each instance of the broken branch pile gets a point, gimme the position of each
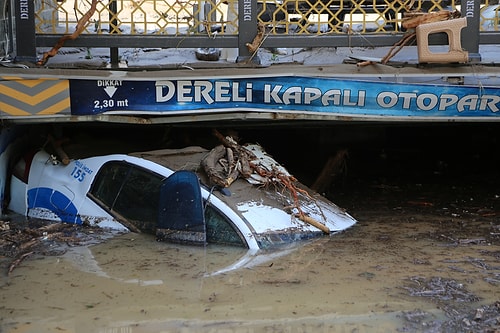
(227, 162)
(18, 241)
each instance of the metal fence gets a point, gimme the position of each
(233, 24)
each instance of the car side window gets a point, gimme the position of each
(130, 191)
(220, 230)
(108, 182)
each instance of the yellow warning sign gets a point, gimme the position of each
(41, 97)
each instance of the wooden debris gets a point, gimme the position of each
(220, 173)
(410, 22)
(468, 241)
(242, 162)
(16, 262)
(57, 145)
(413, 20)
(314, 223)
(241, 156)
(20, 242)
(406, 40)
(335, 165)
(258, 39)
(479, 314)
(440, 289)
(225, 163)
(458, 318)
(365, 63)
(4, 226)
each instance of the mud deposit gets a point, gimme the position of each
(424, 257)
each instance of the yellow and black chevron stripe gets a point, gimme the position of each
(43, 97)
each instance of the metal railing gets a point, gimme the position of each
(233, 24)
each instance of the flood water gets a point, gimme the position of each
(423, 257)
(355, 281)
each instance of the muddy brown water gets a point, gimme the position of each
(413, 268)
(423, 257)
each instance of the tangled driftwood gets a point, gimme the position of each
(335, 165)
(258, 39)
(19, 241)
(413, 20)
(225, 163)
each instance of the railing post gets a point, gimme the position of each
(247, 28)
(113, 26)
(25, 46)
(471, 9)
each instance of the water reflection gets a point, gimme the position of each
(157, 261)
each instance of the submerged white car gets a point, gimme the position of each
(168, 193)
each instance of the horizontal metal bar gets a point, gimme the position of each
(339, 40)
(143, 41)
(231, 41)
(491, 37)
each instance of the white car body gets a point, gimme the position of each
(44, 188)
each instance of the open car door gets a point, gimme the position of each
(181, 217)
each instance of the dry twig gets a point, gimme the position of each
(16, 262)
(413, 20)
(406, 40)
(82, 23)
(254, 46)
